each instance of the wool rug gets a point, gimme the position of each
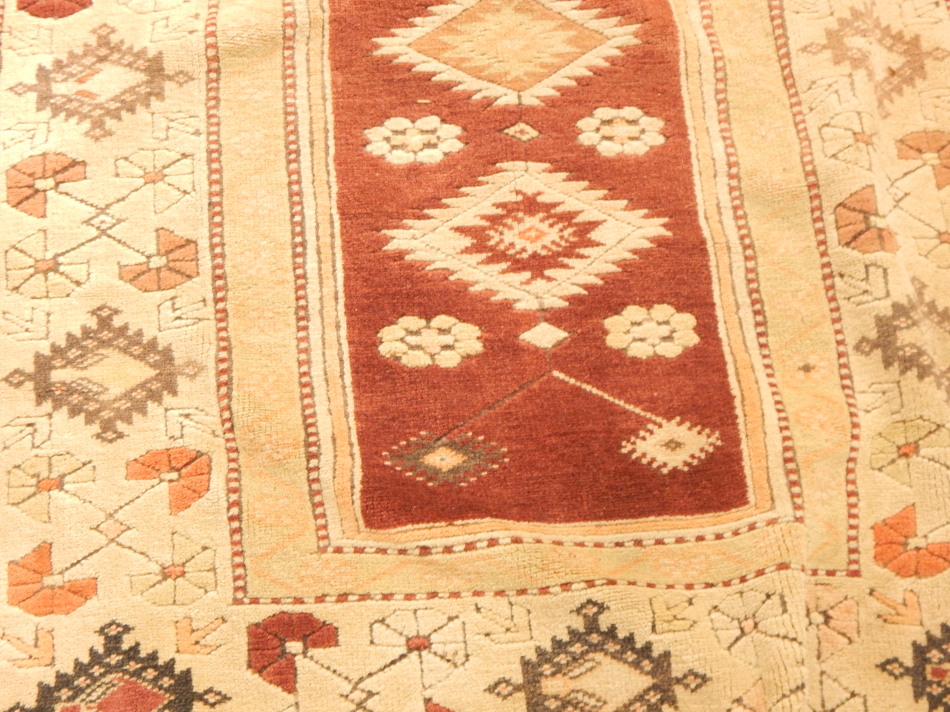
(475, 355)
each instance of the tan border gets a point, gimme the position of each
(282, 555)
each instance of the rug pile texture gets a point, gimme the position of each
(475, 355)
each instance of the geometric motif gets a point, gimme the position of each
(671, 445)
(434, 640)
(31, 483)
(512, 51)
(188, 575)
(929, 672)
(456, 460)
(175, 262)
(35, 272)
(891, 60)
(400, 140)
(119, 678)
(108, 374)
(442, 340)
(529, 235)
(915, 337)
(904, 444)
(274, 644)
(658, 331)
(903, 551)
(101, 83)
(860, 224)
(596, 669)
(187, 472)
(31, 179)
(625, 131)
(34, 587)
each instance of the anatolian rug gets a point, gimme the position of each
(475, 355)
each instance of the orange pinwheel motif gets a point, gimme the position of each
(33, 587)
(31, 179)
(187, 472)
(931, 147)
(899, 549)
(175, 262)
(860, 226)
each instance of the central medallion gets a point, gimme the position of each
(529, 235)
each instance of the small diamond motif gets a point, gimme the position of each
(522, 131)
(544, 336)
(671, 446)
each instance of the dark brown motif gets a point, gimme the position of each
(903, 335)
(929, 672)
(119, 678)
(107, 374)
(103, 99)
(568, 677)
(862, 40)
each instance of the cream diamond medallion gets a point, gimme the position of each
(513, 51)
(528, 235)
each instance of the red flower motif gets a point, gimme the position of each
(29, 180)
(187, 471)
(898, 548)
(273, 644)
(52, 8)
(32, 586)
(860, 226)
(175, 262)
(931, 147)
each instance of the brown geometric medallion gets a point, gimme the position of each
(120, 678)
(108, 374)
(914, 337)
(101, 83)
(596, 669)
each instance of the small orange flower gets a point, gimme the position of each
(187, 472)
(899, 549)
(860, 226)
(931, 147)
(175, 262)
(31, 179)
(32, 586)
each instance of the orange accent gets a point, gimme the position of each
(907, 450)
(891, 548)
(419, 643)
(25, 588)
(42, 266)
(22, 192)
(49, 484)
(180, 267)
(192, 466)
(86, 94)
(174, 572)
(532, 234)
(864, 138)
(154, 177)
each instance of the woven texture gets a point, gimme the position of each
(475, 355)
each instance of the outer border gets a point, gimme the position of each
(777, 11)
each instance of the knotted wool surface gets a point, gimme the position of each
(475, 355)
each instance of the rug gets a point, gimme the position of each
(475, 355)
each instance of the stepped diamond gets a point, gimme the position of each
(514, 51)
(528, 235)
